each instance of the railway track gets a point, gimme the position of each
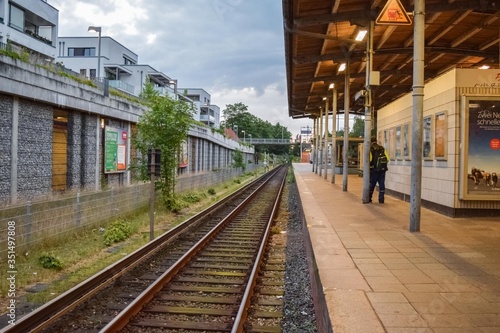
(200, 276)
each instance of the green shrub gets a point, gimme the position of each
(237, 181)
(116, 232)
(211, 191)
(191, 197)
(50, 261)
(174, 204)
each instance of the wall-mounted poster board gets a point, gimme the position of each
(440, 136)
(115, 149)
(480, 151)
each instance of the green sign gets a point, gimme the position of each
(115, 149)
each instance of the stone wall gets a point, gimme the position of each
(34, 174)
(5, 146)
(82, 152)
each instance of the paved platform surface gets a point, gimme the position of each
(378, 276)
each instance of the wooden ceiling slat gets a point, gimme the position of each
(319, 36)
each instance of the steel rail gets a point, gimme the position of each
(246, 301)
(123, 318)
(45, 315)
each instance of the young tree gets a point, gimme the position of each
(238, 161)
(164, 126)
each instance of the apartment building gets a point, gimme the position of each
(207, 113)
(30, 25)
(119, 65)
(113, 62)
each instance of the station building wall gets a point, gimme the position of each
(442, 164)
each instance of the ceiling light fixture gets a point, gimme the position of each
(361, 35)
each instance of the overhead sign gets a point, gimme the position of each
(393, 13)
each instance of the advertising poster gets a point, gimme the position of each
(115, 149)
(440, 136)
(398, 142)
(426, 145)
(406, 141)
(482, 153)
(391, 148)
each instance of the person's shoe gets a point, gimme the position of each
(381, 201)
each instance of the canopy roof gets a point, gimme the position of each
(320, 35)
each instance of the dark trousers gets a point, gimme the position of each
(377, 177)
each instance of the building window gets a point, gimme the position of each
(128, 61)
(92, 73)
(81, 51)
(16, 18)
(83, 71)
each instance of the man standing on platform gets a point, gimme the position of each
(378, 167)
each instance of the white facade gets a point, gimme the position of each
(450, 147)
(117, 63)
(207, 113)
(31, 24)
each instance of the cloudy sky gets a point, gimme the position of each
(234, 49)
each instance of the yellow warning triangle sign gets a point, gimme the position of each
(393, 13)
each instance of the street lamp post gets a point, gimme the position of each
(244, 136)
(98, 30)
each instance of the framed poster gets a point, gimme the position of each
(115, 149)
(440, 137)
(426, 137)
(398, 143)
(391, 148)
(406, 141)
(480, 153)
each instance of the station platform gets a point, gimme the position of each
(377, 276)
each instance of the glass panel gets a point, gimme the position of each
(16, 18)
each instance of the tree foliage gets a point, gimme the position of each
(238, 118)
(238, 161)
(358, 128)
(163, 126)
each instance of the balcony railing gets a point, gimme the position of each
(205, 117)
(120, 85)
(165, 91)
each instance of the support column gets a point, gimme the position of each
(334, 132)
(314, 152)
(347, 106)
(417, 117)
(368, 116)
(326, 138)
(321, 142)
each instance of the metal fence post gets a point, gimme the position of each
(28, 222)
(78, 210)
